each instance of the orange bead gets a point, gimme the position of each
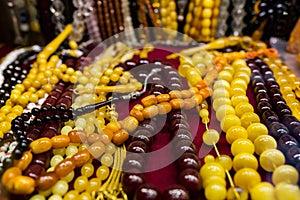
(149, 100)
(198, 98)
(45, 181)
(22, 185)
(108, 132)
(77, 136)
(137, 114)
(24, 161)
(177, 103)
(120, 137)
(200, 85)
(81, 157)
(114, 126)
(175, 94)
(65, 167)
(188, 103)
(9, 174)
(163, 98)
(150, 111)
(186, 94)
(41, 145)
(60, 141)
(164, 108)
(205, 92)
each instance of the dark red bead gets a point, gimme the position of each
(147, 192)
(286, 142)
(138, 147)
(176, 192)
(188, 160)
(34, 171)
(131, 182)
(190, 179)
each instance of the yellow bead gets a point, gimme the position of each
(203, 113)
(11, 116)
(246, 178)
(5, 126)
(225, 75)
(235, 132)
(73, 44)
(205, 31)
(102, 172)
(249, 118)
(94, 184)
(209, 158)
(6, 109)
(81, 183)
(270, 159)
(214, 179)
(71, 195)
(242, 108)
(242, 145)
(54, 79)
(242, 194)
(229, 121)
(286, 174)
(85, 196)
(238, 63)
(256, 129)
(208, 3)
(284, 191)
(33, 98)
(211, 137)
(243, 75)
(224, 110)
(244, 160)
(225, 161)
(20, 87)
(263, 191)
(206, 13)
(221, 84)
(206, 23)
(220, 92)
(87, 170)
(1, 134)
(264, 142)
(221, 101)
(237, 91)
(215, 192)
(212, 169)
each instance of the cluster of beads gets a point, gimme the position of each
(238, 13)
(222, 19)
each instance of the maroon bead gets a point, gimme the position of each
(138, 147)
(269, 117)
(185, 146)
(263, 106)
(54, 94)
(296, 133)
(277, 129)
(48, 133)
(147, 192)
(133, 160)
(260, 89)
(34, 171)
(149, 125)
(291, 122)
(188, 160)
(130, 64)
(176, 192)
(286, 142)
(262, 97)
(142, 135)
(189, 178)
(182, 134)
(42, 159)
(144, 61)
(178, 124)
(293, 155)
(131, 182)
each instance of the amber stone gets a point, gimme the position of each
(176, 192)
(131, 182)
(34, 171)
(147, 192)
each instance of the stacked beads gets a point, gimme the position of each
(168, 15)
(238, 13)
(222, 18)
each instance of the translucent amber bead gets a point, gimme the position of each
(220, 102)
(94, 184)
(224, 110)
(55, 160)
(242, 145)
(71, 195)
(229, 121)
(238, 83)
(69, 177)
(225, 75)
(270, 159)
(286, 174)
(211, 137)
(55, 197)
(212, 169)
(102, 172)
(249, 118)
(246, 178)
(235, 132)
(85, 196)
(225, 161)
(264, 142)
(256, 129)
(263, 191)
(284, 191)
(215, 192)
(221, 84)
(81, 183)
(220, 92)
(38, 197)
(244, 160)
(87, 170)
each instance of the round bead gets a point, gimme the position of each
(231, 194)
(147, 192)
(60, 188)
(285, 191)
(270, 159)
(87, 169)
(220, 92)
(212, 169)
(242, 108)
(256, 129)
(236, 99)
(81, 183)
(214, 179)
(102, 172)
(286, 174)
(71, 195)
(242, 145)
(224, 110)
(225, 161)
(38, 197)
(244, 160)
(249, 118)
(211, 137)
(225, 75)
(215, 191)
(220, 102)
(229, 121)
(246, 178)
(263, 191)
(264, 142)
(235, 132)
(209, 159)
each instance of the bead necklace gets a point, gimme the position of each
(91, 24)
(288, 82)
(168, 15)
(222, 19)
(270, 116)
(120, 21)
(129, 33)
(237, 14)
(57, 9)
(101, 20)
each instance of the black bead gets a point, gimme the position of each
(47, 119)
(56, 117)
(17, 153)
(25, 116)
(44, 109)
(37, 121)
(24, 145)
(62, 108)
(35, 111)
(8, 162)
